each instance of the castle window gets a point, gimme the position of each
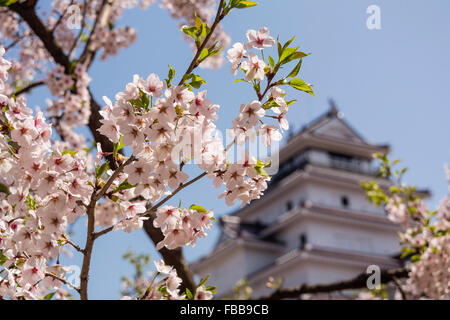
(289, 206)
(345, 202)
(303, 241)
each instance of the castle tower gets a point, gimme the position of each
(313, 224)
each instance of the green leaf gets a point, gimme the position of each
(287, 43)
(271, 61)
(189, 294)
(197, 81)
(190, 31)
(102, 169)
(286, 53)
(203, 54)
(71, 152)
(211, 288)
(170, 76)
(296, 69)
(203, 281)
(124, 186)
(301, 85)
(3, 258)
(260, 168)
(49, 296)
(5, 3)
(117, 147)
(31, 202)
(242, 4)
(198, 208)
(280, 49)
(291, 102)
(142, 103)
(4, 188)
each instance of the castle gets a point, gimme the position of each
(314, 223)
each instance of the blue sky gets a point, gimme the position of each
(391, 84)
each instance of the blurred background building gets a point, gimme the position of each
(314, 224)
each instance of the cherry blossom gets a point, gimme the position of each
(259, 39)
(254, 68)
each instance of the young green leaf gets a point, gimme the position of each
(198, 208)
(117, 146)
(102, 169)
(286, 54)
(5, 3)
(242, 4)
(123, 186)
(189, 294)
(271, 61)
(296, 69)
(71, 152)
(49, 296)
(301, 85)
(170, 76)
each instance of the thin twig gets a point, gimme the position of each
(113, 177)
(358, 282)
(29, 87)
(156, 206)
(74, 245)
(63, 281)
(194, 62)
(400, 288)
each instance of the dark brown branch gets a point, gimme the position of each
(358, 282)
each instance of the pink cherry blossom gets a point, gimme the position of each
(254, 68)
(259, 39)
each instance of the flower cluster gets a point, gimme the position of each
(44, 188)
(4, 67)
(167, 288)
(430, 270)
(181, 227)
(427, 240)
(72, 109)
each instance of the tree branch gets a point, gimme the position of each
(360, 281)
(29, 87)
(63, 281)
(87, 251)
(102, 20)
(194, 62)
